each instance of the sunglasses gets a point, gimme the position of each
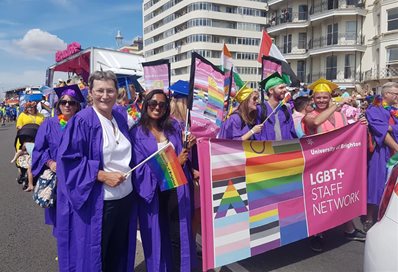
(152, 104)
(70, 103)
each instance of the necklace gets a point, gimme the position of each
(115, 132)
(62, 121)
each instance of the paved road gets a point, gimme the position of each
(27, 244)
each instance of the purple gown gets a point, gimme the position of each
(233, 128)
(268, 132)
(80, 197)
(47, 141)
(153, 227)
(378, 119)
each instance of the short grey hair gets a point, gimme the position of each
(102, 75)
(388, 86)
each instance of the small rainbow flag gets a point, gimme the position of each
(166, 166)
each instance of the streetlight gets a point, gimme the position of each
(119, 39)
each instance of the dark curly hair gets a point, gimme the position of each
(165, 122)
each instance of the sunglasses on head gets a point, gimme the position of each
(70, 103)
(153, 104)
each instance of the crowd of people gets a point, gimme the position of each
(94, 139)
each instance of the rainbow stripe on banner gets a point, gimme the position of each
(165, 166)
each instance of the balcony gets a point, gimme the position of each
(294, 51)
(336, 42)
(388, 72)
(336, 7)
(280, 21)
(348, 75)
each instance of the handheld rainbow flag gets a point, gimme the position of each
(134, 111)
(166, 166)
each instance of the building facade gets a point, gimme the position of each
(320, 38)
(175, 28)
(380, 61)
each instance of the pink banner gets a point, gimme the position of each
(208, 100)
(156, 77)
(258, 195)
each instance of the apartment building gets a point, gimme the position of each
(380, 61)
(320, 38)
(175, 28)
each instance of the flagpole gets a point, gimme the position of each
(186, 129)
(147, 159)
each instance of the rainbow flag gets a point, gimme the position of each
(165, 165)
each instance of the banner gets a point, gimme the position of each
(157, 75)
(260, 195)
(206, 98)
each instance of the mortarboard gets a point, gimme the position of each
(274, 80)
(323, 86)
(70, 90)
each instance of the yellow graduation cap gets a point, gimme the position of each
(323, 86)
(243, 93)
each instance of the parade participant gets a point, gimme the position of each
(302, 106)
(49, 136)
(241, 124)
(165, 217)
(96, 220)
(279, 125)
(383, 119)
(324, 118)
(327, 115)
(29, 115)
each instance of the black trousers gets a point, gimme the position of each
(169, 212)
(115, 230)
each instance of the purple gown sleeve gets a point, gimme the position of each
(41, 151)
(144, 182)
(232, 128)
(76, 165)
(378, 124)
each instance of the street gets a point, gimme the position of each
(27, 243)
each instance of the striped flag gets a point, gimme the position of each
(226, 59)
(268, 48)
(165, 165)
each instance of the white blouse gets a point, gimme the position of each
(116, 152)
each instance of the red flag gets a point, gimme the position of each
(265, 46)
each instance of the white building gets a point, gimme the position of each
(320, 38)
(380, 61)
(175, 28)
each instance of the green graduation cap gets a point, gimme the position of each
(274, 80)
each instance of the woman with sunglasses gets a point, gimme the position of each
(49, 136)
(96, 219)
(165, 217)
(241, 124)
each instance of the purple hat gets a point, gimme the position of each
(71, 90)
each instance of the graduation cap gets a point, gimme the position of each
(323, 86)
(70, 90)
(243, 93)
(180, 89)
(274, 80)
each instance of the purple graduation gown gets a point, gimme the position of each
(268, 132)
(378, 119)
(47, 141)
(80, 197)
(154, 230)
(233, 128)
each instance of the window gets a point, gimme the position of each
(392, 19)
(287, 44)
(349, 65)
(392, 55)
(301, 70)
(350, 30)
(303, 12)
(302, 41)
(333, 4)
(333, 31)
(331, 67)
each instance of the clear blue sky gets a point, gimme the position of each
(31, 31)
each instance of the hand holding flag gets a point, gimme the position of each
(281, 103)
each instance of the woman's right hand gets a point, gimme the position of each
(111, 179)
(257, 128)
(183, 156)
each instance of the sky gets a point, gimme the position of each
(31, 31)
